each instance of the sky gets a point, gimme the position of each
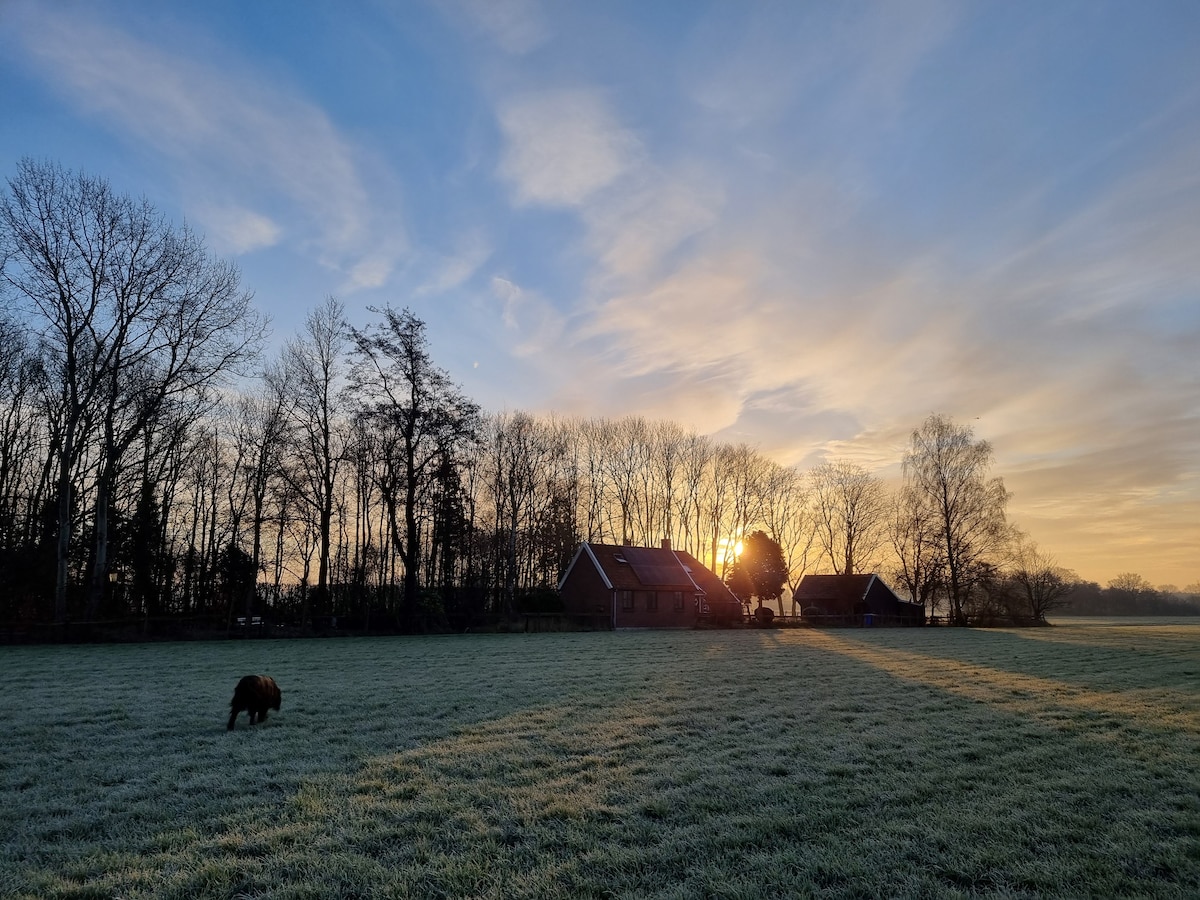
(801, 225)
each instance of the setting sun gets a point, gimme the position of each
(728, 549)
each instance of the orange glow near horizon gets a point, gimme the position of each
(728, 549)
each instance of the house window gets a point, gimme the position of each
(679, 599)
(626, 599)
(651, 601)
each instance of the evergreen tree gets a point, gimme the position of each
(760, 571)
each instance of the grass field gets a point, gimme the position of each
(926, 762)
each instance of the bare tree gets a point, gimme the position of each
(629, 442)
(260, 430)
(313, 374)
(669, 443)
(946, 469)
(134, 312)
(697, 459)
(22, 442)
(718, 506)
(1044, 585)
(164, 451)
(522, 456)
(593, 441)
(366, 465)
(748, 470)
(425, 419)
(851, 509)
(207, 470)
(53, 230)
(919, 549)
(790, 521)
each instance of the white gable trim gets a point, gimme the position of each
(585, 548)
(599, 568)
(688, 572)
(870, 584)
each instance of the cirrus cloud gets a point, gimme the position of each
(562, 147)
(249, 153)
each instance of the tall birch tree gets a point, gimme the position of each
(946, 468)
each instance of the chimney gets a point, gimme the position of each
(666, 544)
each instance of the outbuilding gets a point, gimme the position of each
(854, 600)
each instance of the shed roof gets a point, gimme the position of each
(839, 589)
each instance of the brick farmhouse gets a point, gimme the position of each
(644, 587)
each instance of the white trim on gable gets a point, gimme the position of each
(687, 570)
(583, 547)
(570, 566)
(870, 584)
(599, 568)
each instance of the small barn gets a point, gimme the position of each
(620, 586)
(854, 600)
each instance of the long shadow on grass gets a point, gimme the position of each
(1105, 658)
(729, 764)
(1137, 699)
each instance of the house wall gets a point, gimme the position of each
(880, 600)
(892, 609)
(644, 615)
(584, 593)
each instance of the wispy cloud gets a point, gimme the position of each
(632, 232)
(760, 64)
(450, 271)
(248, 154)
(562, 146)
(534, 323)
(508, 294)
(516, 26)
(236, 230)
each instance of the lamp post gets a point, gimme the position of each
(116, 580)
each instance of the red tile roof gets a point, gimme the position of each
(654, 568)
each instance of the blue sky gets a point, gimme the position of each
(802, 225)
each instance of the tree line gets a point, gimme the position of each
(157, 468)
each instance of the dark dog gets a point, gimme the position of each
(254, 693)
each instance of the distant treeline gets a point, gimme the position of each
(1131, 596)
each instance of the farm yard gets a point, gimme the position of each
(855, 762)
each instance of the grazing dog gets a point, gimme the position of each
(254, 693)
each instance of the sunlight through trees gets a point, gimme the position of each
(147, 477)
